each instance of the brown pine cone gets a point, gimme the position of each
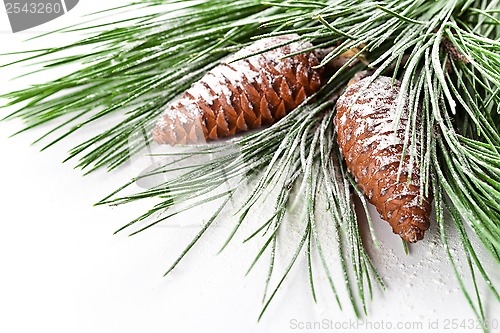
(366, 137)
(243, 95)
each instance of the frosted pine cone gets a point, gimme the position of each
(243, 95)
(364, 123)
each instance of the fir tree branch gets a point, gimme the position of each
(446, 54)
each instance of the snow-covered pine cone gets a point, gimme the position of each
(365, 134)
(242, 95)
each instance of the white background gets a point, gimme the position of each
(63, 270)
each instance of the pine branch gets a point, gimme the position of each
(445, 53)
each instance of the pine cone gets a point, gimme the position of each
(243, 95)
(366, 137)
